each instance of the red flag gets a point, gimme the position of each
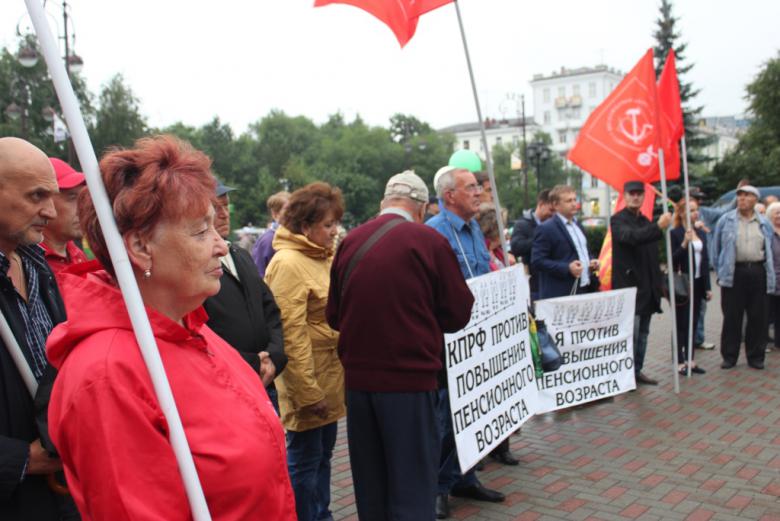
(619, 141)
(671, 115)
(400, 15)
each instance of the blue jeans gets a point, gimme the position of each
(699, 333)
(449, 467)
(641, 332)
(308, 460)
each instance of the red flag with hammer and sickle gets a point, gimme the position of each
(400, 15)
(619, 141)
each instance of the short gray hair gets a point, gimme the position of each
(446, 182)
(772, 208)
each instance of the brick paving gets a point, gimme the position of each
(710, 453)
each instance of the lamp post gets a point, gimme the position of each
(28, 58)
(539, 152)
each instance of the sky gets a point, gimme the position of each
(191, 60)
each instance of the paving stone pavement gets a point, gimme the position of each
(710, 453)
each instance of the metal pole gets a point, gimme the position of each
(525, 155)
(691, 269)
(669, 269)
(488, 161)
(122, 267)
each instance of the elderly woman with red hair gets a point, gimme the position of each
(104, 417)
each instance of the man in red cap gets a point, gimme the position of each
(60, 233)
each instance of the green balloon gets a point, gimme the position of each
(466, 159)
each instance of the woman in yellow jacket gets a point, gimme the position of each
(311, 388)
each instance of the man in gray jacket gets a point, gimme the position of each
(742, 258)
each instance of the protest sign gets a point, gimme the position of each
(492, 385)
(594, 333)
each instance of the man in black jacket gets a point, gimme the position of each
(32, 306)
(635, 264)
(523, 235)
(244, 311)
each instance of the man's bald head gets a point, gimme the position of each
(27, 184)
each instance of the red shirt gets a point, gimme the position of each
(57, 263)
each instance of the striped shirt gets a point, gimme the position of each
(37, 321)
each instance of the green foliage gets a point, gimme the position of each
(757, 155)
(277, 152)
(118, 120)
(595, 237)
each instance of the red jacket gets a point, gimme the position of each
(106, 422)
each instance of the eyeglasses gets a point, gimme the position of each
(474, 188)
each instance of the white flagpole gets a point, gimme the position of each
(119, 259)
(691, 268)
(485, 147)
(669, 270)
(16, 353)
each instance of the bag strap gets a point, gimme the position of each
(378, 234)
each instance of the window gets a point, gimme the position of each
(575, 90)
(594, 182)
(562, 137)
(547, 118)
(466, 144)
(575, 113)
(562, 92)
(546, 95)
(498, 140)
(592, 89)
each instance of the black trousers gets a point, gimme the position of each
(748, 297)
(394, 452)
(682, 315)
(774, 316)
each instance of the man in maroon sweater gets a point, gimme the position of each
(391, 311)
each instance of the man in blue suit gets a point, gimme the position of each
(560, 250)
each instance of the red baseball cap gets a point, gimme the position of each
(67, 177)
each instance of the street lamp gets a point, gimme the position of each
(539, 153)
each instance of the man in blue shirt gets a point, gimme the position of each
(458, 193)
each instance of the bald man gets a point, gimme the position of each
(31, 305)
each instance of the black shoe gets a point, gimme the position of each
(479, 493)
(442, 506)
(698, 370)
(756, 365)
(727, 365)
(505, 458)
(642, 378)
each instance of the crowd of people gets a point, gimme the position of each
(266, 351)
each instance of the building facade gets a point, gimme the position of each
(562, 102)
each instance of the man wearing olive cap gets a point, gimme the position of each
(742, 258)
(395, 288)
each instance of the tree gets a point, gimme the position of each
(118, 120)
(667, 37)
(404, 127)
(31, 91)
(757, 155)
